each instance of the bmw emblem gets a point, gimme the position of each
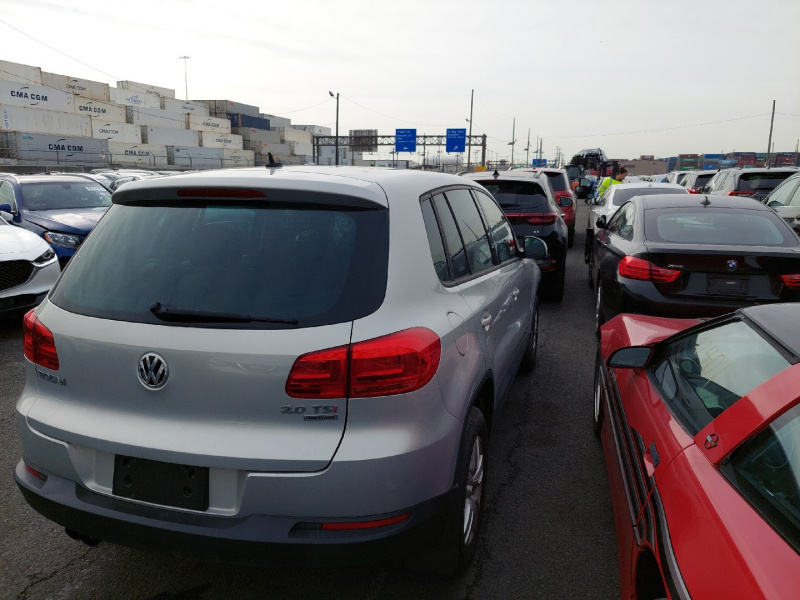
(153, 371)
(732, 264)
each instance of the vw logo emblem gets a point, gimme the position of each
(732, 264)
(153, 371)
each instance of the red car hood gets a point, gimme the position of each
(638, 330)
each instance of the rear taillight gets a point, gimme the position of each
(535, 219)
(692, 190)
(791, 281)
(741, 193)
(394, 364)
(643, 270)
(38, 343)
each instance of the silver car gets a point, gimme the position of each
(297, 363)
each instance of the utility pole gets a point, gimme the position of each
(527, 149)
(469, 136)
(769, 143)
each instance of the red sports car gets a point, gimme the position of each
(700, 425)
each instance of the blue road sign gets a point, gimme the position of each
(539, 162)
(405, 140)
(456, 140)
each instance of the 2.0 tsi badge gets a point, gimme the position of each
(153, 371)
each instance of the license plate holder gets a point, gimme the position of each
(156, 482)
(728, 286)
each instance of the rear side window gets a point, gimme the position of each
(455, 247)
(718, 226)
(761, 181)
(558, 181)
(518, 195)
(313, 264)
(498, 226)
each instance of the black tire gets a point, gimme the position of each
(597, 417)
(599, 317)
(528, 363)
(555, 291)
(590, 278)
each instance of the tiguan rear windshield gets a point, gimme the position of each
(517, 195)
(259, 264)
(622, 196)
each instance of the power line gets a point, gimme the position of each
(567, 137)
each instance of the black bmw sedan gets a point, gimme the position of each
(692, 256)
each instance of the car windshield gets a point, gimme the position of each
(313, 264)
(58, 195)
(766, 471)
(517, 195)
(723, 226)
(703, 374)
(621, 196)
(759, 182)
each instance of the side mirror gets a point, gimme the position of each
(601, 222)
(534, 248)
(772, 204)
(5, 209)
(632, 357)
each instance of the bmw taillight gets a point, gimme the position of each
(535, 219)
(38, 343)
(792, 282)
(643, 270)
(741, 193)
(393, 364)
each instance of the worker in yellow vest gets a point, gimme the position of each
(609, 181)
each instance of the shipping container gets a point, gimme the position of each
(146, 88)
(143, 155)
(688, 156)
(250, 134)
(276, 121)
(264, 147)
(295, 135)
(712, 156)
(201, 123)
(170, 136)
(195, 158)
(221, 108)
(319, 130)
(47, 149)
(183, 106)
(18, 118)
(302, 148)
(81, 88)
(238, 158)
(239, 120)
(213, 139)
(103, 129)
(101, 110)
(10, 71)
(129, 98)
(13, 93)
(155, 117)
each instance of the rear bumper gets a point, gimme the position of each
(255, 538)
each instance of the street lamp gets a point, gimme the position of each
(469, 138)
(336, 142)
(185, 76)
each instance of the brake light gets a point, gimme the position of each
(352, 525)
(791, 281)
(394, 364)
(741, 193)
(643, 270)
(692, 190)
(535, 219)
(38, 343)
(219, 193)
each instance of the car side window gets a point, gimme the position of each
(502, 236)
(701, 375)
(782, 193)
(795, 199)
(622, 222)
(438, 252)
(7, 195)
(452, 238)
(473, 231)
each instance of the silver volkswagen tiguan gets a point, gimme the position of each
(280, 363)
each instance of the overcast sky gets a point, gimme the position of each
(630, 76)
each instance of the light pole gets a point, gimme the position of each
(527, 149)
(336, 141)
(185, 76)
(513, 140)
(469, 138)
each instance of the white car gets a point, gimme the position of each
(28, 269)
(617, 195)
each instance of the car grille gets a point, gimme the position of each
(14, 273)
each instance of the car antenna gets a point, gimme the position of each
(272, 164)
(495, 174)
(705, 201)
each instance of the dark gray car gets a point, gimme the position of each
(291, 364)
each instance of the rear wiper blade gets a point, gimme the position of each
(173, 313)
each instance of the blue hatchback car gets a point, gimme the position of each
(62, 208)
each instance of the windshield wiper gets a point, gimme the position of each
(173, 313)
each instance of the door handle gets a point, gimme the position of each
(515, 293)
(486, 321)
